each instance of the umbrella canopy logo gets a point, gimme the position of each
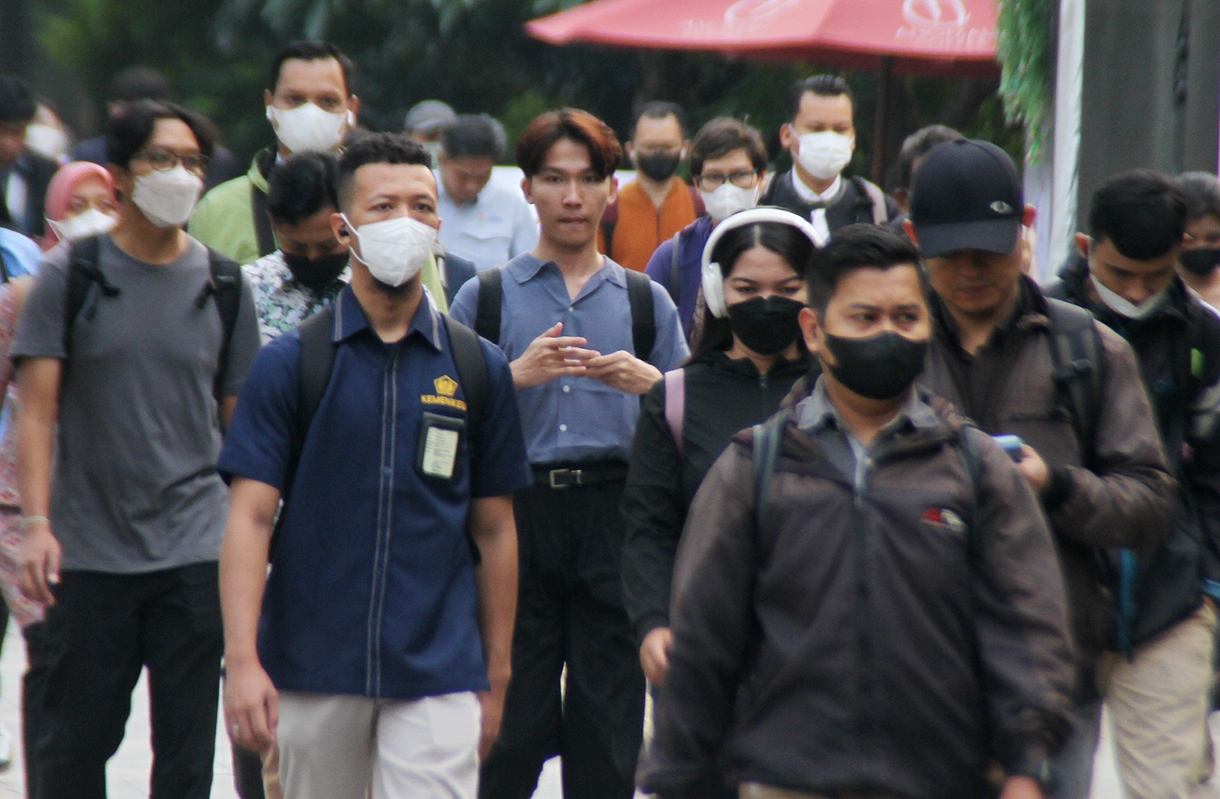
(936, 13)
(750, 10)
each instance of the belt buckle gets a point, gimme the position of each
(560, 474)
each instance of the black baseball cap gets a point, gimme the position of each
(966, 196)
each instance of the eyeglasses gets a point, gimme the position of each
(743, 179)
(165, 160)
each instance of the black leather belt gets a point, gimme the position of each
(579, 474)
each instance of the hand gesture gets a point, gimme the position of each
(550, 356)
(623, 371)
(39, 566)
(251, 706)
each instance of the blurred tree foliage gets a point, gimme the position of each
(473, 54)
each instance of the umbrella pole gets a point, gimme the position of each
(881, 120)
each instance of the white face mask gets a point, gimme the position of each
(1124, 307)
(394, 250)
(825, 154)
(46, 140)
(91, 223)
(308, 127)
(167, 198)
(728, 199)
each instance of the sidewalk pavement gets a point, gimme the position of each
(127, 775)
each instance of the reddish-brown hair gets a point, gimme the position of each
(540, 136)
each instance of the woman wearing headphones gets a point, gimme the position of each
(744, 363)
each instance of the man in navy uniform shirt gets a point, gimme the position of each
(379, 636)
(585, 338)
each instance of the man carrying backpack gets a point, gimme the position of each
(1159, 665)
(1018, 363)
(376, 655)
(135, 343)
(867, 603)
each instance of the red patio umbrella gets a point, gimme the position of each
(951, 37)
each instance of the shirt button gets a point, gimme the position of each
(563, 428)
(571, 309)
(566, 389)
(386, 471)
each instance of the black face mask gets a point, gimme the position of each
(878, 367)
(767, 325)
(659, 166)
(1199, 261)
(316, 273)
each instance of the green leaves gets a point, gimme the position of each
(1025, 47)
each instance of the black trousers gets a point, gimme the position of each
(570, 612)
(103, 629)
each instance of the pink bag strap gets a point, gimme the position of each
(675, 403)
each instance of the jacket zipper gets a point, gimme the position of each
(865, 717)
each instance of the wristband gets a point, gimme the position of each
(25, 522)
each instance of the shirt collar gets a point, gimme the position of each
(525, 267)
(817, 412)
(350, 319)
(810, 196)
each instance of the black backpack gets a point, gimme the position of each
(639, 297)
(223, 287)
(318, 362)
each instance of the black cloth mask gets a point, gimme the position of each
(659, 166)
(767, 325)
(316, 273)
(1199, 261)
(878, 367)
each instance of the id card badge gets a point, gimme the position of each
(439, 437)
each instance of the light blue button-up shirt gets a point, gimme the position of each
(575, 419)
(492, 229)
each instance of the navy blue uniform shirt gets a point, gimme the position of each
(372, 590)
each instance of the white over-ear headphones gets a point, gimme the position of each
(713, 276)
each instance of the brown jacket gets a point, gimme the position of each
(885, 630)
(1128, 501)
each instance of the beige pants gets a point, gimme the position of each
(338, 747)
(1158, 704)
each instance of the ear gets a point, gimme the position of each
(339, 226)
(1082, 244)
(353, 105)
(526, 190)
(909, 229)
(122, 180)
(267, 98)
(785, 136)
(1028, 216)
(613, 190)
(808, 321)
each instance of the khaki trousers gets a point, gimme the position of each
(1158, 704)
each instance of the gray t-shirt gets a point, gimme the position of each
(135, 487)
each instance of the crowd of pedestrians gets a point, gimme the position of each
(443, 476)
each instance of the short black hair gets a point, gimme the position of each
(474, 136)
(138, 83)
(130, 131)
(919, 144)
(301, 186)
(658, 109)
(821, 85)
(1201, 190)
(313, 51)
(376, 148)
(17, 102)
(722, 136)
(787, 241)
(1141, 212)
(853, 248)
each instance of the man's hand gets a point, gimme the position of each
(1034, 468)
(492, 703)
(1021, 788)
(623, 371)
(654, 654)
(550, 356)
(252, 706)
(39, 567)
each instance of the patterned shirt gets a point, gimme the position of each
(283, 302)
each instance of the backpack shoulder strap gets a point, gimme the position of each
(225, 289)
(675, 269)
(675, 403)
(83, 272)
(876, 196)
(1077, 368)
(262, 222)
(970, 461)
(768, 438)
(491, 298)
(317, 363)
(643, 316)
(471, 368)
